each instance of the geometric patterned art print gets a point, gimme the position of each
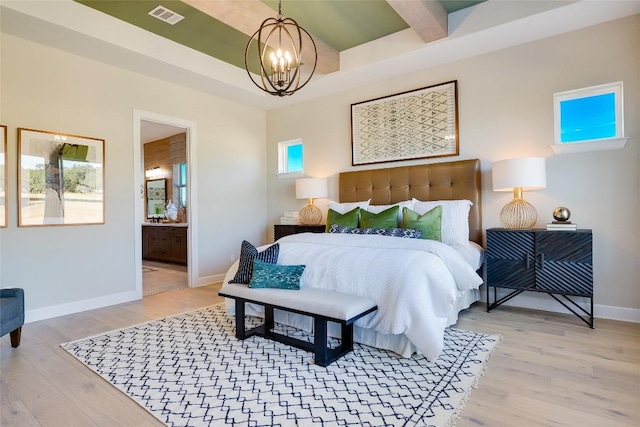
(156, 191)
(190, 370)
(411, 125)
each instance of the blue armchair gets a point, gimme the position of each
(12, 314)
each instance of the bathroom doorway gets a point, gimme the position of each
(165, 219)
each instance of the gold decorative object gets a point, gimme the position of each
(310, 188)
(561, 214)
(519, 174)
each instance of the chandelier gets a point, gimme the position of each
(278, 43)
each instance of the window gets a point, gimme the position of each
(180, 184)
(290, 157)
(589, 119)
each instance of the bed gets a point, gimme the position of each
(420, 285)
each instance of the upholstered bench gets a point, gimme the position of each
(323, 305)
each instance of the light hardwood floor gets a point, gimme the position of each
(549, 370)
(162, 277)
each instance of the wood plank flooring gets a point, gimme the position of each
(162, 277)
(549, 370)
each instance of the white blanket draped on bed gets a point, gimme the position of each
(413, 281)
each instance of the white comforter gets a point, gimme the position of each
(413, 281)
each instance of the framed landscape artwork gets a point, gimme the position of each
(417, 124)
(61, 179)
(3, 176)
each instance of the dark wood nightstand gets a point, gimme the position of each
(558, 263)
(281, 230)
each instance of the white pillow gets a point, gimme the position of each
(343, 208)
(379, 208)
(455, 218)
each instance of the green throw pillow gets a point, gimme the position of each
(349, 219)
(429, 223)
(388, 218)
(266, 275)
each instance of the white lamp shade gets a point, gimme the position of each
(311, 188)
(528, 173)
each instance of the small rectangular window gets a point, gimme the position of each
(589, 119)
(588, 114)
(290, 157)
(180, 184)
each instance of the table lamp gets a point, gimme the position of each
(519, 174)
(311, 188)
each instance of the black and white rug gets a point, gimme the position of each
(190, 370)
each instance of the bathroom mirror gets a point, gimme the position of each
(156, 197)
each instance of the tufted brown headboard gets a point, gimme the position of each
(436, 181)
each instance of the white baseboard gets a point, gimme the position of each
(49, 312)
(617, 313)
(532, 301)
(544, 302)
(208, 280)
(78, 306)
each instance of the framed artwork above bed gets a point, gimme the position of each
(421, 123)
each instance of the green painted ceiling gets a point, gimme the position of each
(341, 24)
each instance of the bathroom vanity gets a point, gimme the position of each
(166, 242)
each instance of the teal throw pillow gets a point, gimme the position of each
(429, 223)
(349, 219)
(266, 275)
(388, 218)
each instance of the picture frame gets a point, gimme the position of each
(416, 124)
(60, 179)
(4, 217)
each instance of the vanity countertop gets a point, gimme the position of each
(165, 224)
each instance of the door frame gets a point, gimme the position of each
(192, 185)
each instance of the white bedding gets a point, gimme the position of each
(418, 285)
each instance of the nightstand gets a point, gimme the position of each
(281, 230)
(558, 263)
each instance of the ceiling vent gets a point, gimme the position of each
(166, 15)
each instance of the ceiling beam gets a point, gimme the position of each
(246, 16)
(427, 17)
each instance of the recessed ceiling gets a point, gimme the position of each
(339, 24)
(461, 30)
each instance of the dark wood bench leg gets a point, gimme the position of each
(320, 345)
(268, 321)
(15, 337)
(240, 330)
(347, 337)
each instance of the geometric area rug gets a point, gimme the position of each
(190, 370)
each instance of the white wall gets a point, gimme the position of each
(69, 268)
(505, 104)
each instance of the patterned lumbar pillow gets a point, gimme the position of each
(267, 275)
(249, 253)
(394, 232)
